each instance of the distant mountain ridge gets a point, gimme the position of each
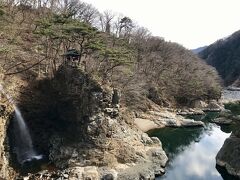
(224, 55)
(198, 50)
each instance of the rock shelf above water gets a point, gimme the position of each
(163, 118)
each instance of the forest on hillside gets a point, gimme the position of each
(114, 50)
(224, 55)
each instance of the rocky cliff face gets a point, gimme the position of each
(6, 172)
(78, 125)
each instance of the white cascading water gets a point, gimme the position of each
(23, 141)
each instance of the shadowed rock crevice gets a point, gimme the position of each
(61, 107)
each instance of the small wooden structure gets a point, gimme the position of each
(71, 57)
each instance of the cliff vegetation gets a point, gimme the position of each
(112, 48)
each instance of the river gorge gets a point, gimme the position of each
(192, 151)
(79, 133)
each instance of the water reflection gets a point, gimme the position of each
(191, 151)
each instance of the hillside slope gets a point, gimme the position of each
(224, 55)
(131, 59)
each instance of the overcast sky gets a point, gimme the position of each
(192, 23)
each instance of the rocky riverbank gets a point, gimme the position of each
(160, 118)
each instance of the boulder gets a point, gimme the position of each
(156, 141)
(222, 120)
(225, 113)
(184, 113)
(76, 173)
(228, 156)
(190, 122)
(159, 119)
(213, 106)
(148, 170)
(199, 104)
(90, 173)
(146, 139)
(190, 111)
(226, 117)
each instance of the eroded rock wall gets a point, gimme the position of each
(6, 172)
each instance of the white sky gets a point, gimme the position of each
(192, 23)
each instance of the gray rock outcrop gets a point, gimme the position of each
(6, 172)
(93, 137)
(213, 106)
(228, 156)
(160, 118)
(222, 120)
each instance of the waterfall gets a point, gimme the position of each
(23, 146)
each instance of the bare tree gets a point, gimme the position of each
(117, 25)
(106, 21)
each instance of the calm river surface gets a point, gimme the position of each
(192, 151)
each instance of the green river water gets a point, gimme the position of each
(192, 151)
